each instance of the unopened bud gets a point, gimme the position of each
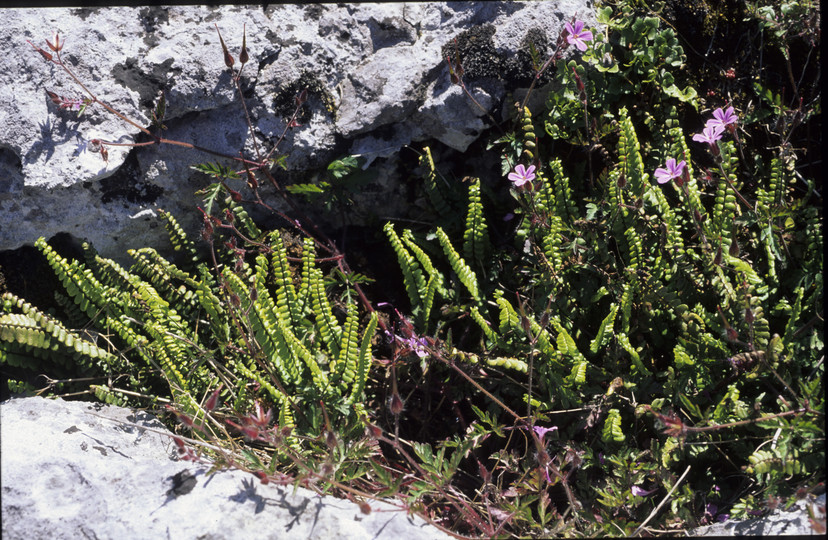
(262, 477)
(252, 183)
(45, 54)
(302, 97)
(228, 60)
(396, 404)
(749, 317)
(373, 431)
(578, 81)
(57, 45)
(733, 250)
(717, 259)
(243, 57)
(212, 401)
(330, 439)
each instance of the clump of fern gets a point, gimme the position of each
(261, 328)
(659, 328)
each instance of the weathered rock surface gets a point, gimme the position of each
(794, 521)
(376, 76)
(85, 470)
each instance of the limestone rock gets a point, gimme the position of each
(780, 522)
(376, 76)
(74, 469)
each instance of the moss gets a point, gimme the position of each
(477, 53)
(284, 102)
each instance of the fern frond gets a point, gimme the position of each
(287, 301)
(484, 325)
(565, 206)
(724, 209)
(612, 427)
(433, 189)
(464, 273)
(604, 330)
(327, 324)
(179, 239)
(342, 367)
(629, 154)
(242, 219)
(476, 243)
(360, 376)
(413, 279)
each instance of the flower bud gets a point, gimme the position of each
(57, 45)
(212, 401)
(396, 404)
(330, 439)
(243, 57)
(228, 60)
(302, 97)
(45, 54)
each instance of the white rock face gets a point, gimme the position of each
(70, 471)
(378, 82)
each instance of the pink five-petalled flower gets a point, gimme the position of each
(522, 175)
(722, 118)
(709, 135)
(577, 35)
(673, 170)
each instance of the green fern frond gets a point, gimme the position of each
(483, 324)
(364, 362)
(343, 367)
(434, 190)
(242, 219)
(287, 301)
(179, 239)
(327, 324)
(528, 134)
(724, 209)
(413, 279)
(604, 330)
(629, 154)
(612, 427)
(565, 206)
(464, 273)
(476, 243)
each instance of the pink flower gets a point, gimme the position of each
(641, 492)
(522, 175)
(576, 36)
(722, 119)
(673, 170)
(542, 431)
(710, 134)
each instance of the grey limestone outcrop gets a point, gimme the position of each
(75, 469)
(377, 80)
